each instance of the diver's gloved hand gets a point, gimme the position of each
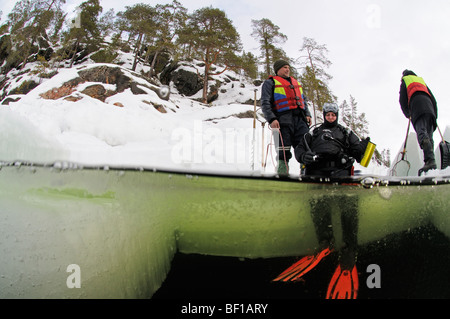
(309, 158)
(346, 161)
(363, 144)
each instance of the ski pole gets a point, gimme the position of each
(440, 133)
(406, 140)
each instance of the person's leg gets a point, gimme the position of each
(424, 127)
(284, 148)
(300, 129)
(321, 217)
(344, 283)
(349, 219)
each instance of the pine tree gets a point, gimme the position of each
(357, 122)
(316, 90)
(385, 158)
(314, 77)
(142, 21)
(59, 21)
(29, 21)
(88, 31)
(171, 19)
(269, 36)
(215, 40)
(106, 23)
(250, 65)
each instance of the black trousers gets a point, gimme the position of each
(292, 128)
(425, 126)
(423, 116)
(321, 211)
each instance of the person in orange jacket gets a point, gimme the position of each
(285, 109)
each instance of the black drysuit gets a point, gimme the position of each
(335, 147)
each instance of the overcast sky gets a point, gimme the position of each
(370, 43)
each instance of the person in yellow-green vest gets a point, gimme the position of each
(419, 105)
(284, 106)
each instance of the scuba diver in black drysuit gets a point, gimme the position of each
(330, 151)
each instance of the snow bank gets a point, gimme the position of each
(24, 140)
(190, 135)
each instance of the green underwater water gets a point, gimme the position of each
(123, 227)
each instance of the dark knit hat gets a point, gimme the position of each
(278, 65)
(408, 72)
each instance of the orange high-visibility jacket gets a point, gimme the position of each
(287, 96)
(415, 84)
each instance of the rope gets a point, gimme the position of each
(403, 153)
(271, 144)
(282, 143)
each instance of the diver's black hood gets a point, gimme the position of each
(327, 124)
(327, 108)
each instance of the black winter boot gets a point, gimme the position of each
(428, 155)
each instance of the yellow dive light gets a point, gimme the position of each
(368, 154)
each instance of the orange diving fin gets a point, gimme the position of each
(301, 267)
(344, 284)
